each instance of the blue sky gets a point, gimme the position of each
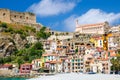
(61, 14)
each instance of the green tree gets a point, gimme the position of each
(37, 49)
(38, 46)
(76, 50)
(1, 61)
(67, 33)
(116, 63)
(56, 34)
(43, 34)
(7, 59)
(4, 25)
(20, 61)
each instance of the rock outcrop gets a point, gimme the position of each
(8, 44)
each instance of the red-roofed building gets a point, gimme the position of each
(6, 67)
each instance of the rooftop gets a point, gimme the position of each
(91, 25)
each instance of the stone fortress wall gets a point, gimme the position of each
(5, 15)
(9, 16)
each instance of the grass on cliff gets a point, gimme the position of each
(10, 29)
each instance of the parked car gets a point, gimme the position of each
(115, 72)
(119, 72)
(112, 72)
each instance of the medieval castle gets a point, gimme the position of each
(9, 16)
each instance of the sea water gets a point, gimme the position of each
(3, 78)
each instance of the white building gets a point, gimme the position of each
(112, 45)
(99, 28)
(36, 64)
(31, 39)
(115, 29)
(96, 67)
(50, 46)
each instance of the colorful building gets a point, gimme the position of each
(25, 68)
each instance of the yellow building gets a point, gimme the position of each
(98, 41)
(101, 41)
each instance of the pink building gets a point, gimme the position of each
(25, 68)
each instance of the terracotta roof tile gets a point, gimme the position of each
(37, 60)
(26, 64)
(6, 66)
(54, 62)
(50, 54)
(59, 48)
(104, 59)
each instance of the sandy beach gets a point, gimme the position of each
(79, 76)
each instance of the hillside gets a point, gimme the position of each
(14, 45)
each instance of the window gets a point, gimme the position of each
(26, 17)
(68, 64)
(64, 46)
(52, 33)
(72, 60)
(100, 42)
(27, 68)
(87, 52)
(3, 14)
(20, 16)
(72, 67)
(73, 64)
(23, 68)
(72, 48)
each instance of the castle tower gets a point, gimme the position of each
(77, 23)
(78, 27)
(5, 15)
(30, 17)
